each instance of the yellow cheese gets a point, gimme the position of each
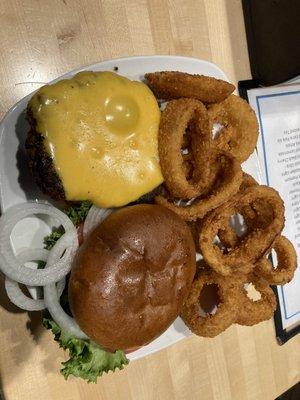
(101, 131)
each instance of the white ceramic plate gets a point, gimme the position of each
(17, 186)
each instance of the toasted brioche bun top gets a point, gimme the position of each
(131, 276)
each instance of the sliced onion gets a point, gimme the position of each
(18, 298)
(63, 320)
(9, 263)
(94, 217)
(60, 286)
(40, 255)
(14, 291)
(58, 262)
(33, 255)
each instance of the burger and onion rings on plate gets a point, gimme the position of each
(143, 192)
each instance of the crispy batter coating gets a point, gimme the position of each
(204, 185)
(175, 119)
(247, 182)
(240, 127)
(211, 325)
(286, 263)
(251, 247)
(253, 312)
(169, 85)
(226, 233)
(226, 185)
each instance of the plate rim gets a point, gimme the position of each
(180, 60)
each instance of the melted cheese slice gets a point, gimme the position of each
(101, 131)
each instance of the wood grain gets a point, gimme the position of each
(42, 39)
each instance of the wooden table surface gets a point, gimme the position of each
(42, 39)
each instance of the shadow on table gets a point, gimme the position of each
(20, 344)
(1, 390)
(4, 300)
(20, 352)
(34, 325)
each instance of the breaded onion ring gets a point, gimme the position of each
(247, 182)
(286, 263)
(250, 247)
(240, 128)
(226, 233)
(175, 119)
(226, 314)
(226, 186)
(168, 85)
(187, 166)
(258, 214)
(252, 312)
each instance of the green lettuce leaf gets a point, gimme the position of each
(50, 240)
(77, 214)
(87, 360)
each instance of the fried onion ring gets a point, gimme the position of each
(252, 312)
(226, 314)
(258, 214)
(240, 128)
(286, 263)
(187, 166)
(175, 119)
(169, 85)
(226, 185)
(227, 233)
(250, 247)
(247, 182)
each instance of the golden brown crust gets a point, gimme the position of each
(131, 276)
(211, 325)
(240, 127)
(254, 244)
(226, 233)
(229, 182)
(175, 119)
(253, 312)
(168, 85)
(286, 263)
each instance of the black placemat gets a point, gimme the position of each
(273, 36)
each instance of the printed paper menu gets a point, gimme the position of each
(278, 113)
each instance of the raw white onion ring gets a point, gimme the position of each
(10, 265)
(94, 217)
(63, 320)
(13, 290)
(40, 255)
(19, 299)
